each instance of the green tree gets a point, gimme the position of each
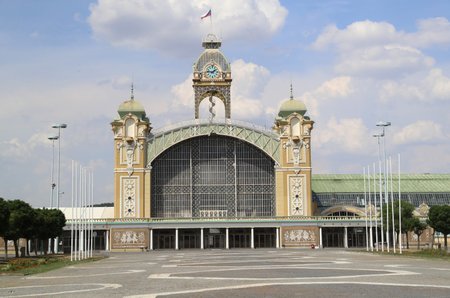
(439, 220)
(4, 222)
(407, 216)
(20, 222)
(53, 222)
(417, 227)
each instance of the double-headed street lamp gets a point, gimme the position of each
(59, 126)
(53, 139)
(379, 136)
(383, 125)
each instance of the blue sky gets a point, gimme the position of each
(353, 63)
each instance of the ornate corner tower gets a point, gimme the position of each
(293, 175)
(212, 76)
(130, 160)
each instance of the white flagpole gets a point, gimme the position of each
(92, 212)
(392, 205)
(84, 213)
(80, 194)
(370, 210)
(88, 199)
(386, 197)
(399, 207)
(381, 206)
(71, 226)
(76, 181)
(375, 203)
(365, 208)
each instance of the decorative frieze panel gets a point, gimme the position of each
(297, 195)
(300, 236)
(129, 197)
(129, 238)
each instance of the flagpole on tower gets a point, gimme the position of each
(206, 15)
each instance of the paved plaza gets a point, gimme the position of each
(240, 273)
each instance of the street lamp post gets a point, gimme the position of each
(59, 126)
(53, 139)
(379, 136)
(383, 125)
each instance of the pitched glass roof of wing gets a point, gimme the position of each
(353, 183)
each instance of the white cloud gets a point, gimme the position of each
(367, 33)
(358, 34)
(385, 60)
(431, 87)
(378, 49)
(339, 87)
(21, 151)
(419, 132)
(173, 26)
(345, 135)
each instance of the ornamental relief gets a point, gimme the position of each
(299, 236)
(129, 238)
(129, 197)
(296, 195)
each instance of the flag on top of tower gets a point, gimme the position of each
(208, 14)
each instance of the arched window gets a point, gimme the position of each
(130, 128)
(295, 126)
(213, 176)
(343, 213)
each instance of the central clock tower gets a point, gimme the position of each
(212, 75)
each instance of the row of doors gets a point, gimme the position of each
(214, 238)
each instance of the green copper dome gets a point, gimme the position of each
(133, 107)
(291, 106)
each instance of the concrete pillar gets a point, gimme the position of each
(56, 244)
(320, 238)
(277, 235)
(252, 238)
(345, 238)
(227, 240)
(202, 245)
(176, 239)
(107, 248)
(150, 240)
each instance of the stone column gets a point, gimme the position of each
(227, 240)
(150, 240)
(252, 238)
(320, 238)
(107, 248)
(277, 235)
(202, 245)
(176, 239)
(345, 238)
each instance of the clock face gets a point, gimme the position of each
(212, 72)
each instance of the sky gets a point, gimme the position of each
(353, 63)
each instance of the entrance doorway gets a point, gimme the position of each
(164, 239)
(333, 237)
(188, 238)
(240, 238)
(356, 237)
(214, 238)
(265, 237)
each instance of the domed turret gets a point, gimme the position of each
(291, 106)
(131, 106)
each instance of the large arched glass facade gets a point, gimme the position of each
(213, 176)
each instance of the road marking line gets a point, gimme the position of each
(153, 295)
(85, 275)
(103, 287)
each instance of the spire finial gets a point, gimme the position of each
(132, 91)
(292, 94)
